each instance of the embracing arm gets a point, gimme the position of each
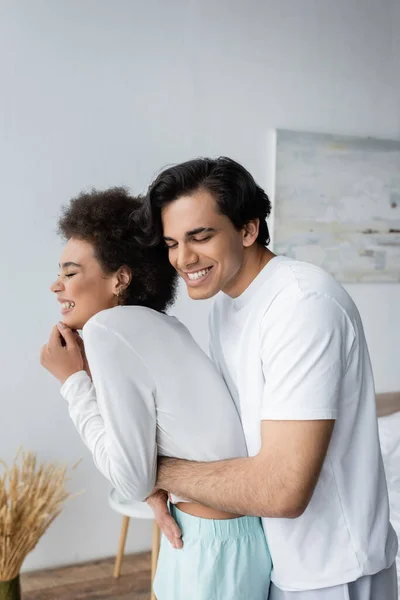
(278, 482)
(115, 415)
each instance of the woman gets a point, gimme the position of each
(147, 389)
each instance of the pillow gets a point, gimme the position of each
(389, 433)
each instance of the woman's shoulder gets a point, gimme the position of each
(122, 319)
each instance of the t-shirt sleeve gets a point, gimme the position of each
(305, 352)
(115, 416)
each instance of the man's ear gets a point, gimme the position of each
(250, 232)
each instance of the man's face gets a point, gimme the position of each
(204, 246)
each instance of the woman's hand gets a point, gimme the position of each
(81, 345)
(60, 360)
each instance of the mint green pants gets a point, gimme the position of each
(220, 560)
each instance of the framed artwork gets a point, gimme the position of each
(337, 204)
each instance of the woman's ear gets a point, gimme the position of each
(124, 278)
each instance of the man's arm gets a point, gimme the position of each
(278, 482)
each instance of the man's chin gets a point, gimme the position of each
(199, 293)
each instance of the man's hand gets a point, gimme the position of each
(158, 503)
(62, 361)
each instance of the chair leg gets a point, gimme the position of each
(154, 555)
(121, 548)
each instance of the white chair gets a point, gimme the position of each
(134, 510)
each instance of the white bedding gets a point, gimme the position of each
(389, 432)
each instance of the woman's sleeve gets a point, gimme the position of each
(115, 415)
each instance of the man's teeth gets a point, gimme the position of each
(194, 276)
(68, 304)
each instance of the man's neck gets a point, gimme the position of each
(255, 260)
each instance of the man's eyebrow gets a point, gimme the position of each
(69, 264)
(200, 230)
(193, 232)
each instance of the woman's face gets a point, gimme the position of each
(82, 287)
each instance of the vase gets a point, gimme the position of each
(10, 590)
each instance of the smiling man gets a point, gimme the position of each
(290, 345)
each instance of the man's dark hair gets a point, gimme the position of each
(113, 222)
(236, 193)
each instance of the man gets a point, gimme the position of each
(290, 345)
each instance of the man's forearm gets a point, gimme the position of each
(239, 485)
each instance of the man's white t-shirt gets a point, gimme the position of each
(154, 391)
(292, 347)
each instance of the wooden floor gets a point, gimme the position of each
(91, 580)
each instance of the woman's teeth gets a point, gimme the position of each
(68, 304)
(198, 274)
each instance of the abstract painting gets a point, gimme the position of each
(337, 204)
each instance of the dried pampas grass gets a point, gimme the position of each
(31, 497)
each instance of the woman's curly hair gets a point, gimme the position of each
(114, 222)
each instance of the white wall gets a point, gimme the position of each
(105, 93)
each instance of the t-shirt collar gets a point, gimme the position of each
(265, 273)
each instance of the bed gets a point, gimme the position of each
(388, 409)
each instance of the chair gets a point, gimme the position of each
(135, 510)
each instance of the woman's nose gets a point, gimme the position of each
(56, 286)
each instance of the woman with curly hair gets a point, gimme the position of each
(141, 387)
